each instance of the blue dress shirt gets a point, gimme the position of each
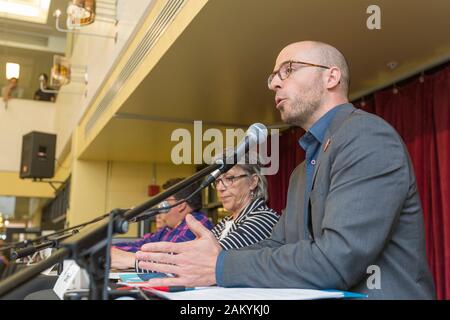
(311, 142)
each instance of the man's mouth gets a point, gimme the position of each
(279, 102)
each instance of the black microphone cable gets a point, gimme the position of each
(152, 212)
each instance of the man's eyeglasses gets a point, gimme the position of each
(162, 206)
(285, 70)
(228, 181)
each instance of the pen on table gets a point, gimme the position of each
(173, 288)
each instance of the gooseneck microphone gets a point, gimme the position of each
(53, 243)
(256, 134)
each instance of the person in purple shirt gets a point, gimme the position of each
(175, 229)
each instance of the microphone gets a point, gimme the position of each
(28, 243)
(145, 216)
(256, 134)
(163, 207)
(53, 243)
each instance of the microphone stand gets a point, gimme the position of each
(26, 243)
(88, 248)
(54, 243)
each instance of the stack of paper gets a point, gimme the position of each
(220, 293)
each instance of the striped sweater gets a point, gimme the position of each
(254, 224)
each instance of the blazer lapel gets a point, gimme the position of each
(338, 119)
(316, 167)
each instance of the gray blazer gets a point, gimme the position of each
(366, 221)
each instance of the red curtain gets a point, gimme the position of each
(291, 154)
(420, 112)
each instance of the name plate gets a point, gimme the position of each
(66, 279)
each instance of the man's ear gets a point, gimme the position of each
(182, 207)
(333, 78)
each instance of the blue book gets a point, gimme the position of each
(139, 277)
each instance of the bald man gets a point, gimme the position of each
(353, 219)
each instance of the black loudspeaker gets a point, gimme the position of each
(38, 155)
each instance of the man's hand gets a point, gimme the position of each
(122, 259)
(193, 262)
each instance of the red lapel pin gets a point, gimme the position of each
(326, 145)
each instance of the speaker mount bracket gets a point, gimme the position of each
(50, 182)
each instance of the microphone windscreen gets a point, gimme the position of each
(258, 131)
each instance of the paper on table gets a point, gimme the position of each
(220, 293)
(116, 275)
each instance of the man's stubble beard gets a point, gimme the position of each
(302, 108)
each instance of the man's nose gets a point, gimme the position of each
(276, 83)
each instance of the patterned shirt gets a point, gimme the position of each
(180, 233)
(254, 224)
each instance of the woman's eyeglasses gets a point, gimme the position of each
(228, 181)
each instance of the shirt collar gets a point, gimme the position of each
(319, 128)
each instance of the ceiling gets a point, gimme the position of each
(142, 140)
(216, 70)
(25, 10)
(35, 36)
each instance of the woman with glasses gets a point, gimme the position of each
(243, 193)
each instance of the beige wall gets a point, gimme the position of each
(21, 117)
(88, 191)
(100, 186)
(98, 55)
(12, 185)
